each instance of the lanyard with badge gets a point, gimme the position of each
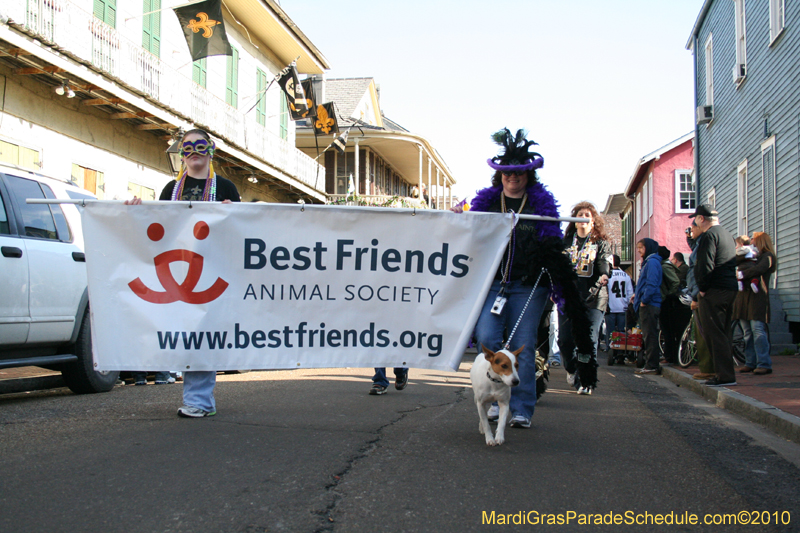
(500, 301)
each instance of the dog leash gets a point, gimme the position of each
(535, 285)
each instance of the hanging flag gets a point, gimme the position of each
(204, 29)
(293, 89)
(310, 106)
(326, 119)
(340, 142)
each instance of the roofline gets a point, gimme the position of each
(699, 22)
(652, 155)
(274, 6)
(398, 136)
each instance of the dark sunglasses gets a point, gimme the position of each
(515, 173)
(199, 147)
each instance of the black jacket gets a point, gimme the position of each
(716, 261)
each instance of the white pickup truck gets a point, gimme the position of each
(44, 304)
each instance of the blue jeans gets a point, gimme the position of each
(567, 343)
(756, 347)
(614, 322)
(380, 375)
(492, 331)
(198, 390)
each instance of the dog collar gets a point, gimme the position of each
(493, 379)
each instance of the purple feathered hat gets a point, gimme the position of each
(515, 157)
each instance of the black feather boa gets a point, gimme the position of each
(548, 253)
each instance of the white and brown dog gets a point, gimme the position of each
(493, 374)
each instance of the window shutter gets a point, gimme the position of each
(261, 108)
(232, 79)
(768, 168)
(199, 72)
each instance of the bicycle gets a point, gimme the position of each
(687, 351)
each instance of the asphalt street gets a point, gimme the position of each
(311, 451)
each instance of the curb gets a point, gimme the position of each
(768, 416)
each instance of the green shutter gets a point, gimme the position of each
(284, 115)
(232, 79)
(151, 27)
(261, 106)
(106, 10)
(199, 71)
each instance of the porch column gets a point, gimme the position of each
(358, 174)
(419, 147)
(367, 183)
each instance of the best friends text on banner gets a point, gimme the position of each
(254, 286)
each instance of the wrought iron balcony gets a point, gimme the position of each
(64, 26)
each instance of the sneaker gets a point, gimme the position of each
(141, 382)
(377, 390)
(646, 371)
(585, 391)
(554, 363)
(401, 381)
(171, 379)
(193, 412)
(159, 382)
(714, 382)
(570, 379)
(493, 414)
(519, 421)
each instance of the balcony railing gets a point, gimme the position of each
(66, 27)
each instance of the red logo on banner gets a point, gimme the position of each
(174, 292)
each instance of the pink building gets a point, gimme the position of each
(662, 189)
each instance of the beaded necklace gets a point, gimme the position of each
(209, 191)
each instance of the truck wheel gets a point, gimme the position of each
(80, 376)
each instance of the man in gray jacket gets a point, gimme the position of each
(715, 273)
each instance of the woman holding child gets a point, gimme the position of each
(751, 307)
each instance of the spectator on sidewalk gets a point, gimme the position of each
(704, 361)
(620, 290)
(673, 314)
(715, 273)
(751, 308)
(683, 269)
(647, 303)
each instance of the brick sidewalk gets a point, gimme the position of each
(780, 389)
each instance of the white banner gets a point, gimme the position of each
(275, 286)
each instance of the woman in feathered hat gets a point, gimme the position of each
(534, 246)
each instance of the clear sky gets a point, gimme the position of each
(597, 84)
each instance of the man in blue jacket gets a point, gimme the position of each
(647, 303)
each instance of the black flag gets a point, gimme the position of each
(293, 89)
(204, 30)
(326, 122)
(311, 106)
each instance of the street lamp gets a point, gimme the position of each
(174, 156)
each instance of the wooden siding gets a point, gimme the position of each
(767, 103)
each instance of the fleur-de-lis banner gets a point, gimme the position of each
(204, 29)
(326, 122)
(311, 106)
(295, 95)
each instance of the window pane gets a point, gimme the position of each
(4, 229)
(37, 218)
(64, 233)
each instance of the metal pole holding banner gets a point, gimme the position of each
(83, 202)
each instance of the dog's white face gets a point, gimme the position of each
(504, 364)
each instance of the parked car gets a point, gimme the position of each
(44, 302)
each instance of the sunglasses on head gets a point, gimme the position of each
(199, 147)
